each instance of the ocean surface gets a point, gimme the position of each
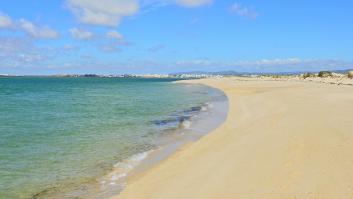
(80, 137)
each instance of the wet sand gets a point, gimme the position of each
(281, 139)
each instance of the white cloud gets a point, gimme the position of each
(116, 39)
(5, 21)
(112, 34)
(31, 29)
(31, 58)
(40, 32)
(81, 34)
(103, 12)
(9, 45)
(20, 52)
(243, 11)
(153, 4)
(193, 3)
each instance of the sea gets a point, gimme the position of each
(77, 137)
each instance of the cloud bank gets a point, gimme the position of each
(40, 32)
(31, 29)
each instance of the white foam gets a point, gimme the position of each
(140, 156)
(186, 124)
(209, 105)
(121, 169)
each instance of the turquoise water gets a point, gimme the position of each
(61, 135)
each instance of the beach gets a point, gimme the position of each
(281, 139)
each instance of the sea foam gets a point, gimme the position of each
(121, 171)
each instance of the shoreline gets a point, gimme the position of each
(209, 117)
(167, 138)
(290, 146)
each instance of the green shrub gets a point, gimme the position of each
(307, 75)
(350, 74)
(325, 74)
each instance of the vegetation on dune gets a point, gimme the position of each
(350, 74)
(325, 74)
(307, 75)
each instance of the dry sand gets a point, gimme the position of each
(281, 140)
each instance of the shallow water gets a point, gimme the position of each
(59, 137)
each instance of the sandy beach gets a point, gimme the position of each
(281, 139)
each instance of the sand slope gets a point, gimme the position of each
(280, 140)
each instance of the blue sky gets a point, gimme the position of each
(164, 36)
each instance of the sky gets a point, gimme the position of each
(166, 36)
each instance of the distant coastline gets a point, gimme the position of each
(198, 74)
